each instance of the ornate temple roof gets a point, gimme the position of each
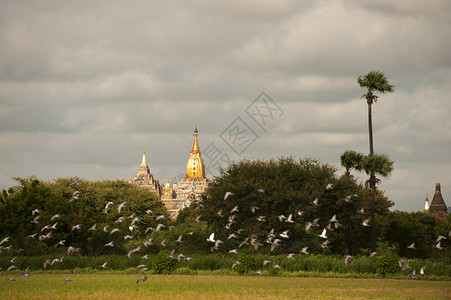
(438, 206)
(195, 167)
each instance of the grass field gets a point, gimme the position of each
(124, 286)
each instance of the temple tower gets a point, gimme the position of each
(145, 179)
(438, 206)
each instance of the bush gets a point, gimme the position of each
(387, 264)
(247, 263)
(162, 264)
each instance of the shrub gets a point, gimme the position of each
(247, 263)
(387, 264)
(162, 264)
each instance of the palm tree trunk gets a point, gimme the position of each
(370, 124)
(373, 214)
(372, 177)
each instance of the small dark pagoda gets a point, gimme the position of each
(438, 206)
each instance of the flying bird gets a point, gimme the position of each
(347, 259)
(119, 208)
(423, 268)
(235, 209)
(413, 273)
(304, 251)
(411, 246)
(323, 234)
(404, 265)
(104, 265)
(55, 217)
(329, 186)
(65, 280)
(227, 195)
(211, 238)
(366, 222)
(254, 208)
(142, 278)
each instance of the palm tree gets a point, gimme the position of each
(372, 165)
(351, 159)
(373, 81)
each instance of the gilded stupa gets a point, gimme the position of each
(190, 189)
(195, 169)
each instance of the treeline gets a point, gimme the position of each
(280, 206)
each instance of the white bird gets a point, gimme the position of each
(53, 226)
(179, 239)
(333, 219)
(105, 229)
(423, 268)
(120, 220)
(254, 208)
(281, 218)
(160, 217)
(439, 238)
(114, 230)
(198, 218)
(290, 256)
(315, 202)
(261, 191)
(290, 219)
(236, 264)
(110, 244)
(366, 222)
(329, 186)
(227, 195)
(119, 208)
(361, 211)
(411, 246)
(266, 262)
(93, 227)
(347, 259)
(231, 236)
(163, 243)
(323, 234)
(35, 211)
(78, 226)
(276, 266)
(159, 226)
(235, 209)
(233, 251)
(261, 219)
(304, 251)
(104, 265)
(211, 238)
(108, 204)
(149, 212)
(33, 235)
(373, 254)
(35, 220)
(438, 245)
(55, 217)
(75, 196)
(219, 213)
(60, 243)
(413, 274)
(285, 234)
(308, 225)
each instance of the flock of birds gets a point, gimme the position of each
(272, 238)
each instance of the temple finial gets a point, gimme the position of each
(143, 163)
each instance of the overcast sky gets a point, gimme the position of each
(86, 86)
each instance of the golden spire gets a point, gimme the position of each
(196, 143)
(144, 159)
(195, 167)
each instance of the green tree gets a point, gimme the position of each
(351, 159)
(274, 190)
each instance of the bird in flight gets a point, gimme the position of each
(65, 280)
(323, 234)
(227, 195)
(142, 278)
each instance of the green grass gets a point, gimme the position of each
(124, 286)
